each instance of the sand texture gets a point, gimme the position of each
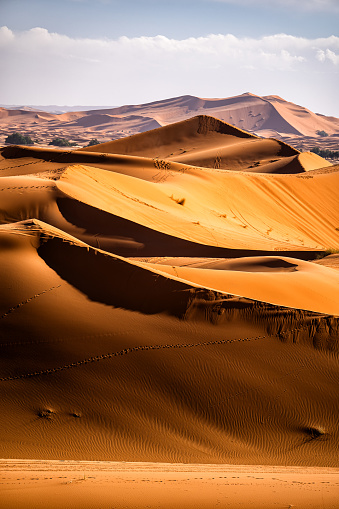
(89, 485)
(168, 308)
(268, 117)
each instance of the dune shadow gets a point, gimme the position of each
(114, 282)
(127, 238)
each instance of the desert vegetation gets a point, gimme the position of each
(92, 142)
(18, 139)
(326, 153)
(61, 142)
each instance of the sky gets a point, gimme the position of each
(115, 52)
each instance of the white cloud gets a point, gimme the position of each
(6, 36)
(43, 67)
(332, 57)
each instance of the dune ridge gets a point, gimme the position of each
(268, 116)
(162, 311)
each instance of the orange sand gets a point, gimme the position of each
(268, 116)
(55, 484)
(161, 302)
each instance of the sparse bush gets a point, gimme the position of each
(330, 154)
(322, 133)
(19, 139)
(327, 252)
(61, 142)
(94, 141)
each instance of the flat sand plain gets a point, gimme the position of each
(90, 485)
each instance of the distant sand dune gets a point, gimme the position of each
(269, 116)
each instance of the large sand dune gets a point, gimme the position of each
(156, 309)
(268, 116)
(208, 142)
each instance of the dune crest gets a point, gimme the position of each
(161, 302)
(268, 116)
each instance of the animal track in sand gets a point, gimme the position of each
(14, 308)
(27, 187)
(126, 351)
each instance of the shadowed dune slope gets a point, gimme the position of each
(151, 310)
(185, 374)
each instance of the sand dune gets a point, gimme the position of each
(247, 111)
(268, 117)
(156, 310)
(208, 142)
(175, 376)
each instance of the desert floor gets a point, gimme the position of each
(28, 484)
(169, 312)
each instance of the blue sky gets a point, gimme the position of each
(114, 52)
(173, 18)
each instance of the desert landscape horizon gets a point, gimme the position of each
(169, 254)
(267, 117)
(170, 297)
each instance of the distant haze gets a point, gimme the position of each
(53, 108)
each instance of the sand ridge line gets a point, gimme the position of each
(14, 308)
(24, 164)
(127, 351)
(28, 187)
(39, 161)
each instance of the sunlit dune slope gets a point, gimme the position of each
(200, 130)
(201, 141)
(284, 281)
(246, 111)
(268, 116)
(152, 310)
(303, 120)
(208, 142)
(271, 212)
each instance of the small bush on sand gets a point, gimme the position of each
(61, 142)
(94, 141)
(327, 252)
(326, 153)
(19, 139)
